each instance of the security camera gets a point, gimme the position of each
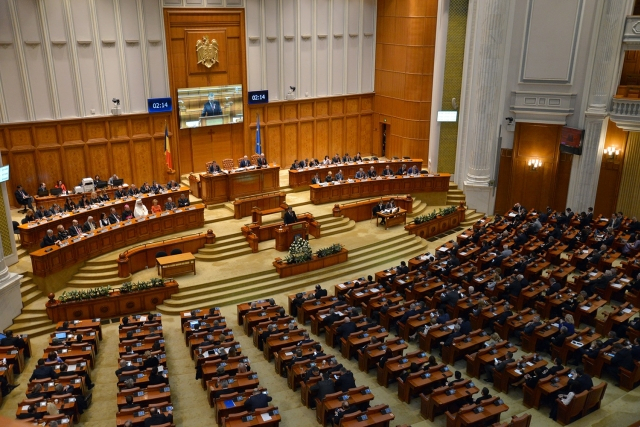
(509, 119)
(116, 101)
(293, 88)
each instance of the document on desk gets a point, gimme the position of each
(265, 416)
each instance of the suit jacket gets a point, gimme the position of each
(402, 171)
(48, 241)
(244, 163)
(120, 194)
(320, 293)
(528, 330)
(158, 419)
(169, 206)
(257, 401)
(503, 364)
(157, 379)
(125, 369)
(183, 202)
(623, 359)
(211, 109)
(465, 327)
(44, 214)
(114, 218)
(345, 382)
(330, 319)
(360, 174)
(338, 177)
(322, 388)
(63, 235)
(372, 174)
(213, 168)
(22, 197)
(451, 337)
(346, 329)
(387, 172)
(262, 162)
(290, 217)
(580, 384)
(87, 227)
(42, 372)
(75, 231)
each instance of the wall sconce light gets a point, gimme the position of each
(534, 164)
(612, 152)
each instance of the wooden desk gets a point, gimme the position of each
(276, 342)
(67, 408)
(49, 260)
(356, 397)
(441, 399)
(271, 419)
(240, 384)
(373, 353)
(460, 348)
(376, 416)
(245, 206)
(31, 236)
(173, 265)
(545, 387)
(396, 365)
(150, 396)
(490, 414)
(363, 209)
(390, 219)
(137, 418)
(320, 194)
(226, 186)
(421, 382)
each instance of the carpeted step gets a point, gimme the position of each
(33, 329)
(29, 297)
(99, 268)
(94, 283)
(224, 254)
(91, 276)
(31, 317)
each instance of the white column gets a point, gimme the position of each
(482, 89)
(438, 84)
(585, 170)
(10, 295)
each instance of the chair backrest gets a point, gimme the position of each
(595, 395)
(227, 164)
(160, 254)
(577, 404)
(254, 159)
(129, 410)
(176, 251)
(54, 417)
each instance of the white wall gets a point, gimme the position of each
(69, 58)
(322, 47)
(548, 62)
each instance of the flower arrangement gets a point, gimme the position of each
(299, 251)
(431, 216)
(104, 291)
(333, 249)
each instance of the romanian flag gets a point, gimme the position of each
(167, 148)
(258, 142)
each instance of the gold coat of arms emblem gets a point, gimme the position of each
(207, 51)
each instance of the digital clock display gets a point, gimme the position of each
(159, 105)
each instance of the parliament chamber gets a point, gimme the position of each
(293, 213)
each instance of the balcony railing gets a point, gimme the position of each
(625, 112)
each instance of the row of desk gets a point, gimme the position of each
(46, 261)
(300, 178)
(381, 186)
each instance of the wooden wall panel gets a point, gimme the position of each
(305, 147)
(548, 185)
(405, 50)
(143, 163)
(99, 160)
(503, 192)
(183, 27)
(611, 171)
(307, 132)
(274, 144)
(77, 148)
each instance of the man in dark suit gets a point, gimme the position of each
(402, 170)
(169, 205)
(245, 162)
(42, 213)
(157, 418)
(498, 366)
(290, 216)
(42, 371)
(331, 318)
(320, 292)
(23, 198)
(387, 171)
(378, 208)
(183, 201)
(262, 161)
(582, 381)
(90, 225)
(530, 327)
(49, 239)
(500, 319)
(336, 159)
(257, 400)
(372, 172)
(342, 411)
(465, 326)
(114, 218)
(211, 107)
(125, 367)
(621, 359)
(345, 381)
(75, 229)
(453, 335)
(321, 389)
(346, 329)
(10, 340)
(214, 168)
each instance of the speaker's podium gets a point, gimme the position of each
(286, 234)
(221, 119)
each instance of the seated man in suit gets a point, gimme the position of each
(294, 165)
(361, 174)
(346, 158)
(290, 216)
(378, 208)
(120, 193)
(23, 198)
(329, 177)
(319, 292)
(262, 161)
(157, 418)
(114, 218)
(316, 179)
(402, 170)
(75, 229)
(214, 167)
(345, 381)
(413, 170)
(344, 330)
(336, 159)
(211, 107)
(169, 205)
(498, 366)
(455, 334)
(42, 213)
(90, 225)
(49, 239)
(133, 190)
(387, 171)
(42, 371)
(183, 201)
(372, 172)
(245, 162)
(339, 176)
(62, 233)
(257, 400)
